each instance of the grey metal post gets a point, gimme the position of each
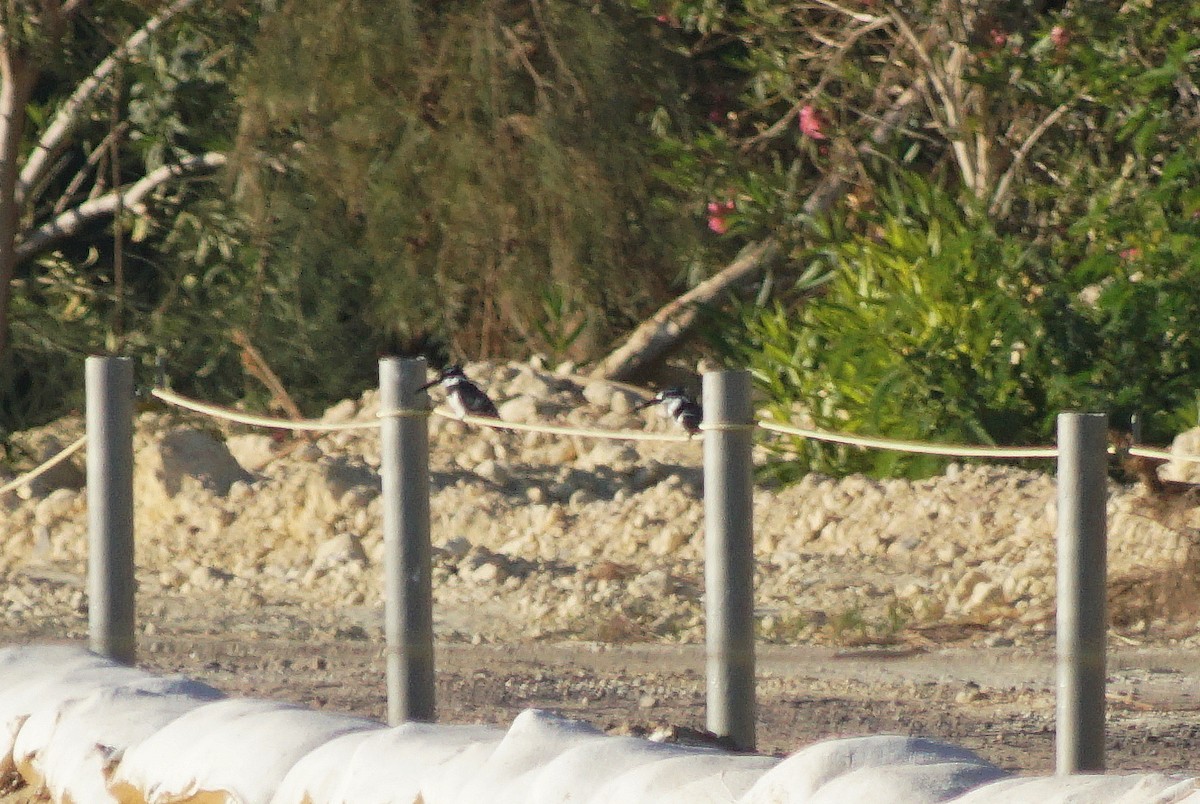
(111, 584)
(408, 576)
(1082, 607)
(729, 556)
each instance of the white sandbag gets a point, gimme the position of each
(906, 784)
(1138, 788)
(532, 741)
(729, 785)
(45, 677)
(798, 777)
(16, 661)
(445, 782)
(706, 776)
(388, 766)
(314, 779)
(237, 750)
(576, 774)
(73, 748)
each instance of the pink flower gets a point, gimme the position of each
(811, 122)
(718, 215)
(1060, 36)
(1131, 254)
(999, 37)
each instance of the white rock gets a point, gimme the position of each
(184, 456)
(339, 412)
(519, 409)
(57, 505)
(598, 393)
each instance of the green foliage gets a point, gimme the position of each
(507, 176)
(181, 253)
(466, 171)
(918, 335)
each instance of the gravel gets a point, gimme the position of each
(548, 537)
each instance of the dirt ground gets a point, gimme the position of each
(998, 701)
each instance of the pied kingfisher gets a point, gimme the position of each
(676, 405)
(464, 397)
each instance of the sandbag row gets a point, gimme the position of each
(90, 731)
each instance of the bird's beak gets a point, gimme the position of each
(429, 384)
(646, 404)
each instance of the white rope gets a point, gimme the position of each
(310, 424)
(730, 427)
(229, 414)
(948, 450)
(554, 429)
(1147, 452)
(44, 467)
(925, 448)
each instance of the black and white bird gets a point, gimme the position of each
(676, 405)
(464, 397)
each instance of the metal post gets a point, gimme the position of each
(408, 576)
(1082, 607)
(111, 584)
(729, 556)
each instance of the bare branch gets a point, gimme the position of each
(88, 166)
(1000, 197)
(55, 136)
(71, 222)
(951, 106)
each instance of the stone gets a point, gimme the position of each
(341, 550)
(492, 471)
(183, 457)
(340, 412)
(519, 409)
(56, 506)
(66, 475)
(598, 393)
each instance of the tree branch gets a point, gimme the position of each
(658, 336)
(654, 339)
(1002, 187)
(71, 222)
(53, 139)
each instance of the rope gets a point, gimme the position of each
(731, 427)
(229, 414)
(554, 429)
(172, 398)
(411, 413)
(44, 467)
(1147, 452)
(948, 450)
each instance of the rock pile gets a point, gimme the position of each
(542, 535)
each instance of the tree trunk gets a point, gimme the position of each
(17, 75)
(658, 336)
